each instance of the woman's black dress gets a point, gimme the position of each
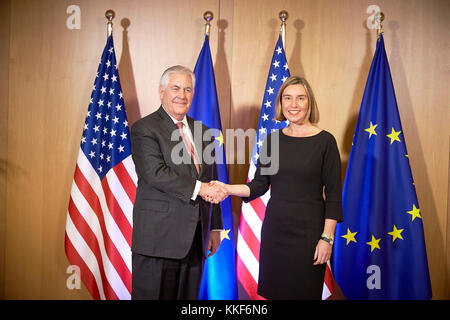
(295, 215)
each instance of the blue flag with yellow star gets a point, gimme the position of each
(379, 250)
(219, 276)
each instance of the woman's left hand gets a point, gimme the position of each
(322, 253)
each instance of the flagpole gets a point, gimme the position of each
(110, 14)
(283, 17)
(208, 16)
(379, 18)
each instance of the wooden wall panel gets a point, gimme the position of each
(4, 97)
(52, 73)
(52, 69)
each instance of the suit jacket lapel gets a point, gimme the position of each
(168, 127)
(166, 124)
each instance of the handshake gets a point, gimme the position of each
(214, 191)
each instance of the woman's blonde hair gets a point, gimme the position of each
(313, 111)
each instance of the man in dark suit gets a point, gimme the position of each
(173, 227)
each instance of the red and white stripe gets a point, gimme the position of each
(99, 227)
(248, 245)
(328, 285)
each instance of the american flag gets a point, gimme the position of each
(252, 215)
(99, 217)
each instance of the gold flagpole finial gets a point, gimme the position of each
(110, 14)
(379, 18)
(208, 16)
(283, 17)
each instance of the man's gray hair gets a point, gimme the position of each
(176, 69)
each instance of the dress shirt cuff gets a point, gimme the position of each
(198, 184)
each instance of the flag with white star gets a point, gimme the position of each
(379, 250)
(278, 73)
(105, 138)
(99, 218)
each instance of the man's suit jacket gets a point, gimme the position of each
(164, 216)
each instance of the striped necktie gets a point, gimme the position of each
(189, 146)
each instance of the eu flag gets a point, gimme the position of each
(219, 277)
(379, 251)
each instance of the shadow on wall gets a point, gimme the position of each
(126, 75)
(224, 81)
(295, 62)
(358, 92)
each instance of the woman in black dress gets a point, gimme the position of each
(305, 204)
